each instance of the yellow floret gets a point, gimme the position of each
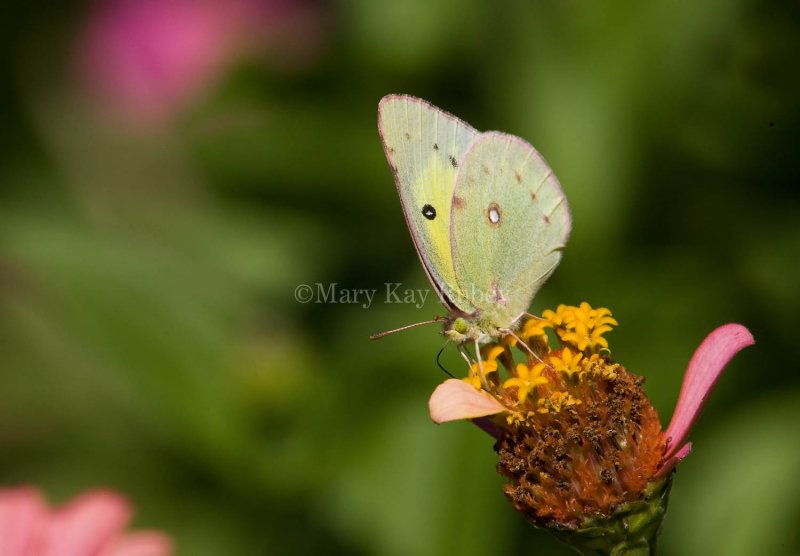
(582, 327)
(534, 328)
(526, 380)
(567, 362)
(556, 402)
(492, 351)
(596, 366)
(474, 380)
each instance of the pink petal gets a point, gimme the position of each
(22, 516)
(669, 464)
(704, 369)
(86, 525)
(455, 399)
(145, 543)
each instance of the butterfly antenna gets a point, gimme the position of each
(448, 373)
(386, 333)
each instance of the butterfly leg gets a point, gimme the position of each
(523, 344)
(473, 364)
(480, 362)
(465, 354)
(532, 316)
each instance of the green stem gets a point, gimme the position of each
(631, 530)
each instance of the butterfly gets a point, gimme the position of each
(487, 216)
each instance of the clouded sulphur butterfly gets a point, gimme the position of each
(488, 217)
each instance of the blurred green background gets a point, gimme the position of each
(168, 180)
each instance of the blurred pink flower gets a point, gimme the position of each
(90, 525)
(149, 58)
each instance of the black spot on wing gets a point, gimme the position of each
(453, 161)
(429, 212)
(436, 146)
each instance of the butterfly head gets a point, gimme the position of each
(463, 329)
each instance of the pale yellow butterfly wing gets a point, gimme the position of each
(509, 223)
(424, 147)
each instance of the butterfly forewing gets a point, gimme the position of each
(509, 223)
(424, 147)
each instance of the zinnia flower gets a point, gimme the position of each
(148, 59)
(577, 438)
(90, 525)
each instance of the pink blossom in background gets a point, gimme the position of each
(150, 58)
(91, 524)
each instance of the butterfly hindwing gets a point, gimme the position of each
(424, 147)
(509, 223)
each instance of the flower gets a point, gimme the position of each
(89, 525)
(578, 440)
(148, 59)
(526, 380)
(704, 370)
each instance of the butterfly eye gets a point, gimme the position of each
(493, 213)
(429, 212)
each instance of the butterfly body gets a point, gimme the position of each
(487, 215)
